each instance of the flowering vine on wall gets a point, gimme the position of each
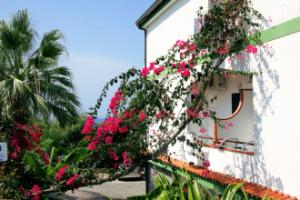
(154, 99)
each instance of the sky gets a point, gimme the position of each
(100, 35)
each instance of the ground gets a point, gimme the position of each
(115, 190)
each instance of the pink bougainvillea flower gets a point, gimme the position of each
(115, 101)
(161, 114)
(108, 139)
(128, 114)
(145, 71)
(152, 65)
(191, 64)
(205, 173)
(87, 138)
(192, 114)
(206, 164)
(46, 158)
(185, 73)
(251, 49)
(205, 114)
(35, 192)
(126, 160)
(60, 173)
(182, 44)
(13, 155)
(202, 130)
(71, 180)
(203, 52)
(123, 130)
(227, 125)
(92, 145)
(113, 155)
(158, 70)
(88, 126)
(182, 64)
(142, 116)
(112, 124)
(222, 50)
(174, 65)
(34, 131)
(109, 125)
(192, 47)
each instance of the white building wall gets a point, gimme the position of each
(276, 162)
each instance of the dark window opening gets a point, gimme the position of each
(235, 100)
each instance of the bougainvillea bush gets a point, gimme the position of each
(148, 111)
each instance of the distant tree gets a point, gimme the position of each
(32, 84)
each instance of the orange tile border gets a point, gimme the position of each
(252, 189)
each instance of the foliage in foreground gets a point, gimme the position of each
(145, 97)
(187, 188)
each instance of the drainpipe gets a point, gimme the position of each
(145, 45)
(149, 185)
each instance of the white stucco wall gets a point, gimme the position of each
(276, 105)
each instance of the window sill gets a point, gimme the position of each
(214, 146)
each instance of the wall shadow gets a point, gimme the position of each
(266, 82)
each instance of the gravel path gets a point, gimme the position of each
(116, 190)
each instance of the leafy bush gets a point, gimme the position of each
(187, 188)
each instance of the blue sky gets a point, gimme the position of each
(100, 35)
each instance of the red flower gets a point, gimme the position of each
(145, 71)
(205, 172)
(72, 179)
(46, 158)
(60, 173)
(108, 139)
(158, 70)
(88, 126)
(113, 155)
(115, 101)
(142, 116)
(203, 52)
(228, 125)
(127, 114)
(35, 192)
(87, 138)
(222, 50)
(191, 64)
(185, 73)
(251, 49)
(205, 114)
(192, 47)
(92, 145)
(123, 129)
(126, 160)
(181, 44)
(13, 155)
(202, 130)
(182, 64)
(192, 114)
(152, 65)
(161, 114)
(206, 164)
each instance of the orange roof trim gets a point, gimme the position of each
(252, 189)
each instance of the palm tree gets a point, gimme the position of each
(32, 84)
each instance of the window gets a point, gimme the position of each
(233, 129)
(235, 100)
